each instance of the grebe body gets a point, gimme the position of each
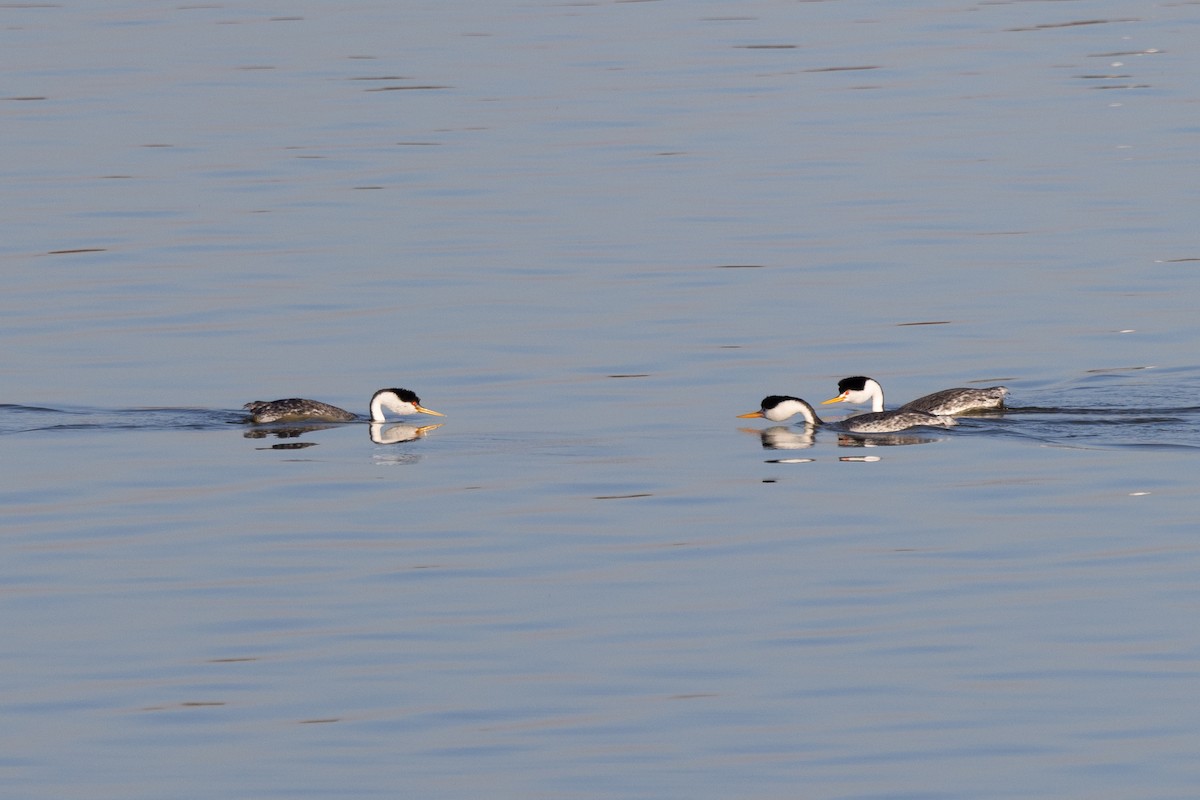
(892, 421)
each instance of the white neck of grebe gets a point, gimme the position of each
(389, 401)
(871, 393)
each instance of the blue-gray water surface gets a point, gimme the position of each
(592, 234)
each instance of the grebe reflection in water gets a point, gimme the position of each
(398, 432)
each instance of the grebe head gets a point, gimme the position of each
(857, 390)
(777, 408)
(398, 401)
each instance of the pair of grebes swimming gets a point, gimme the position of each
(932, 410)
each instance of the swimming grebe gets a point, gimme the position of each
(297, 409)
(778, 408)
(861, 389)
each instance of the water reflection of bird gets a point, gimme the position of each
(397, 432)
(778, 408)
(781, 437)
(861, 389)
(884, 439)
(297, 409)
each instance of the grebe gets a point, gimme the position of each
(778, 408)
(861, 389)
(297, 409)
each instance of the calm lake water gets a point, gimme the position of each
(592, 234)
